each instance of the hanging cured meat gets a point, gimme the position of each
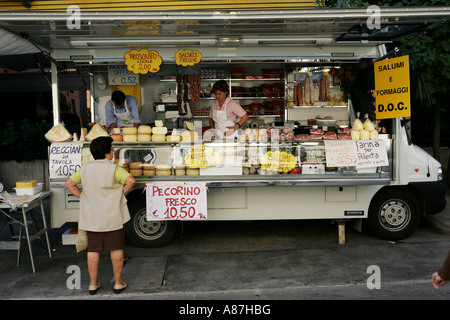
(308, 98)
(324, 88)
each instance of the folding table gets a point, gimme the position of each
(22, 210)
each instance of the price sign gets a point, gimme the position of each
(278, 161)
(392, 97)
(356, 153)
(340, 153)
(176, 201)
(187, 57)
(143, 61)
(64, 159)
(119, 75)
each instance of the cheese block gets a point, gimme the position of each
(129, 138)
(130, 130)
(144, 129)
(180, 172)
(116, 130)
(148, 166)
(58, 134)
(164, 172)
(355, 135)
(158, 137)
(158, 123)
(192, 172)
(189, 135)
(83, 134)
(144, 137)
(173, 138)
(117, 137)
(159, 130)
(135, 165)
(364, 135)
(148, 172)
(95, 132)
(136, 172)
(26, 184)
(189, 125)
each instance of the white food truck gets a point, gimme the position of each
(295, 158)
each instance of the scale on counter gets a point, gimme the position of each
(161, 108)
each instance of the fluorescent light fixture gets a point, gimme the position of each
(285, 40)
(141, 41)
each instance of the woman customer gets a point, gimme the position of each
(103, 209)
(224, 111)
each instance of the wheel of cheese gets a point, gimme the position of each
(180, 172)
(144, 137)
(135, 172)
(129, 137)
(129, 130)
(158, 137)
(148, 166)
(117, 137)
(192, 172)
(116, 130)
(159, 130)
(135, 165)
(148, 172)
(163, 172)
(144, 129)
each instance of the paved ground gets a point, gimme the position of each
(244, 260)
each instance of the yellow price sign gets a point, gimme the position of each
(280, 161)
(392, 97)
(201, 157)
(187, 57)
(143, 61)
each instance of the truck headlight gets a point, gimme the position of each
(440, 175)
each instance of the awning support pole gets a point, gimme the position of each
(55, 94)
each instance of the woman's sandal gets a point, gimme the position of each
(93, 289)
(118, 288)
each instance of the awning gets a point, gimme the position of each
(10, 44)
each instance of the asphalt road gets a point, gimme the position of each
(257, 261)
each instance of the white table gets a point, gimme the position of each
(22, 211)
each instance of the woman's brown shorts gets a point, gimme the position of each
(106, 241)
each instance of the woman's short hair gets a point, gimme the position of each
(221, 85)
(100, 147)
(118, 97)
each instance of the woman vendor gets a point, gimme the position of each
(224, 111)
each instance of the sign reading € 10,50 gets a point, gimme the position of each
(143, 61)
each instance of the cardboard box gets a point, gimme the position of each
(313, 169)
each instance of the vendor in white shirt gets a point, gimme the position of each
(122, 111)
(224, 111)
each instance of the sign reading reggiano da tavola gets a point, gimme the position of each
(392, 89)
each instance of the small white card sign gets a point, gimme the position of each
(118, 75)
(64, 159)
(356, 153)
(176, 201)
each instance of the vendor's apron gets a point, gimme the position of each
(125, 119)
(221, 122)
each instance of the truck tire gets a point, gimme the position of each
(147, 234)
(394, 214)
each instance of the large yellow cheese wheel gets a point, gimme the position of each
(129, 137)
(180, 172)
(192, 172)
(173, 138)
(164, 172)
(159, 130)
(129, 130)
(148, 172)
(117, 137)
(116, 130)
(135, 165)
(136, 172)
(158, 137)
(144, 137)
(144, 129)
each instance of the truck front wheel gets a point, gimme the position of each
(394, 214)
(148, 234)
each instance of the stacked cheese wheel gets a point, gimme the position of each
(159, 132)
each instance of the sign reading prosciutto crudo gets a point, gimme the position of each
(176, 201)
